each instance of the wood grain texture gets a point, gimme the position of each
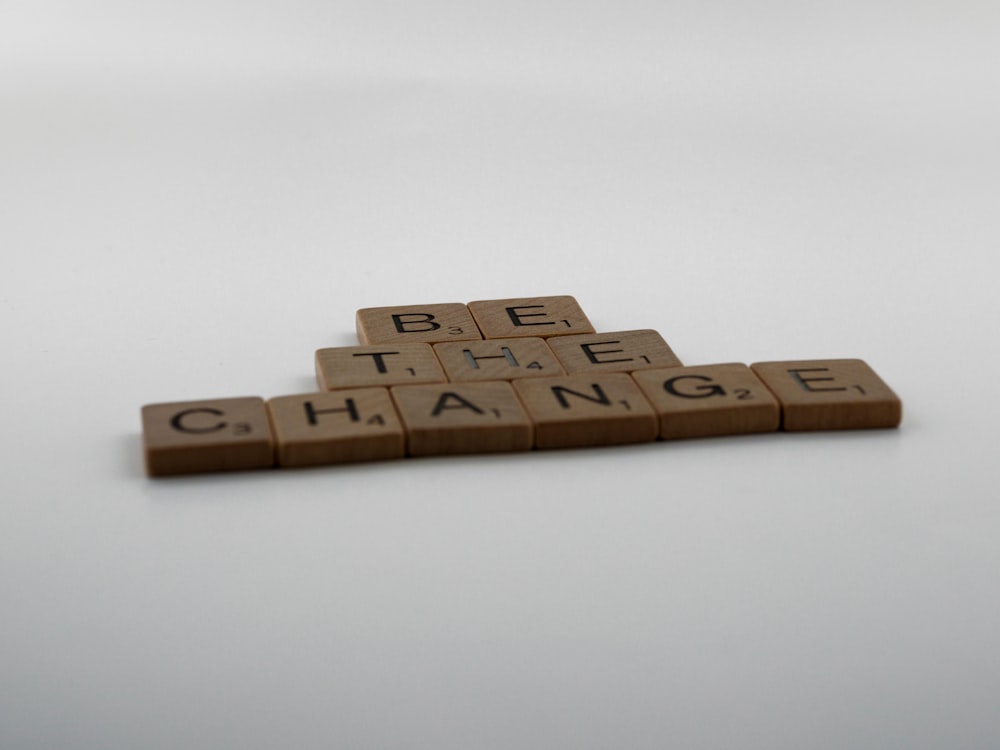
(380, 365)
(336, 427)
(539, 317)
(449, 321)
(573, 411)
(497, 359)
(189, 437)
(724, 399)
(462, 418)
(617, 351)
(830, 394)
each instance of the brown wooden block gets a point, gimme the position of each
(619, 351)
(830, 394)
(707, 400)
(573, 411)
(497, 359)
(382, 365)
(540, 317)
(450, 321)
(336, 427)
(462, 418)
(189, 437)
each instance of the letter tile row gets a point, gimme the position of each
(561, 411)
(493, 376)
(539, 317)
(491, 359)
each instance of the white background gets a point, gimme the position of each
(195, 196)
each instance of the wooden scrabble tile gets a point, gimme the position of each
(336, 427)
(572, 411)
(540, 317)
(497, 359)
(620, 351)
(189, 437)
(384, 365)
(830, 394)
(709, 400)
(449, 321)
(462, 418)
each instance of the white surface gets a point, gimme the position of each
(197, 196)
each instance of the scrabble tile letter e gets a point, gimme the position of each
(830, 394)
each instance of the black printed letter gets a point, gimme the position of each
(515, 316)
(442, 404)
(474, 360)
(592, 355)
(349, 407)
(179, 426)
(701, 391)
(600, 398)
(415, 319)
(378, 357)
(804, 382)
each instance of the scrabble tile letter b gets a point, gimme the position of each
(197, 436)
(830, 394)
(449, 321)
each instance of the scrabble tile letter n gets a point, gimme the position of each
(830, 394)
(575, 411)
(198, 436)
